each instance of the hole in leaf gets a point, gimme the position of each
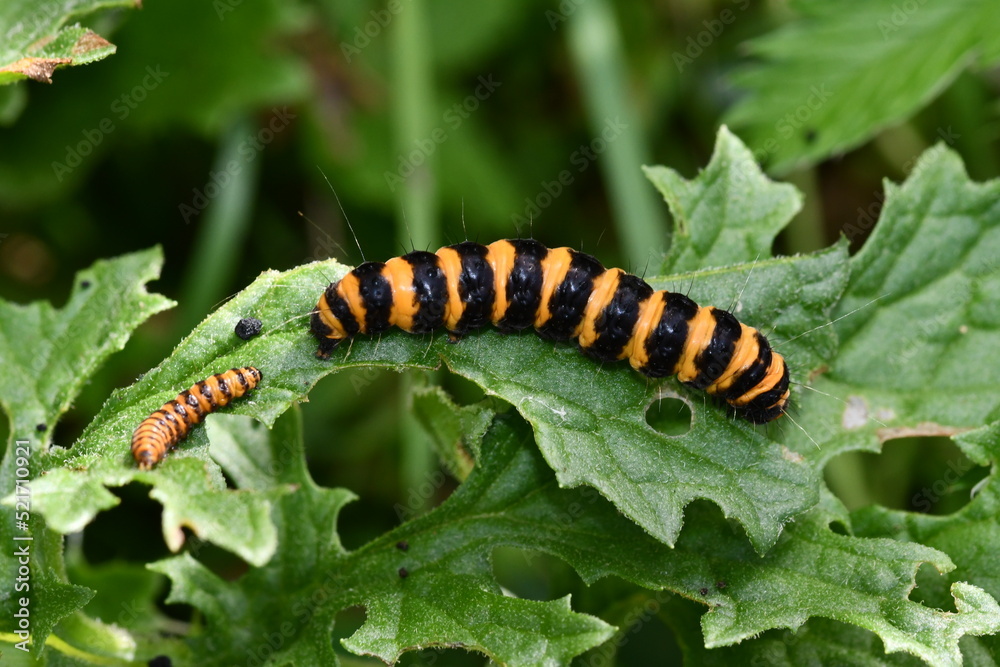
(926, 475)
(669, 415)
(643, 638)
(533, 575)
(838, 528)
(346, 622)
(933, 588)
(439, 657)
(142, 540)
(462, 390)
(224, 564)
(350, 619)
(69, 427)
(364, 520)
(350, 425)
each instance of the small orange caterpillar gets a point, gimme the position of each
(163, 429)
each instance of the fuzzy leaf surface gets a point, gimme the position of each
(445, 597)
(728, 214)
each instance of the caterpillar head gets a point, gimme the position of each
(328, 329)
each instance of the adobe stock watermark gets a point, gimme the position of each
(900, 16)
(120, 109)
(247, 151)
(927, 497)
(416, 499)
(223, 7)
(20, 595)
(452, 120)
(565, 9)
(786, 126)
(696, 44)
(580, 160)
(364, 34)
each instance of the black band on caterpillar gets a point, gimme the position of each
(163, 429)
(563, 294)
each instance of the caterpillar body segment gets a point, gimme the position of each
(163, 429)
(564, 294)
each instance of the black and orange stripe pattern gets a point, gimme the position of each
(563, 294)
(163, 429)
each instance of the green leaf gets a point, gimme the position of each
(922, 301)
(970, 536)
(862, 581)
(38, 39)
(126, 593)
(446, 598)
(47, 356)
(52, 599)
(728, 214)
(456, 431)
(512, 631)
(844, 71)
(820, 641)
(193, 494)
(934, 259)
(741, 553)
(590, 421)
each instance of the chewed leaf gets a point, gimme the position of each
(425, 584)
(38, 40)
(48, 354)
(590, 420)
(730, 213)
(862, 581)
(919, 312)
(584, 476)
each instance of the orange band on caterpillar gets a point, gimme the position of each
(163, 429)
(564, 295)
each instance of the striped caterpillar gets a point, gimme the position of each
(563, 294)
(163, 429)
